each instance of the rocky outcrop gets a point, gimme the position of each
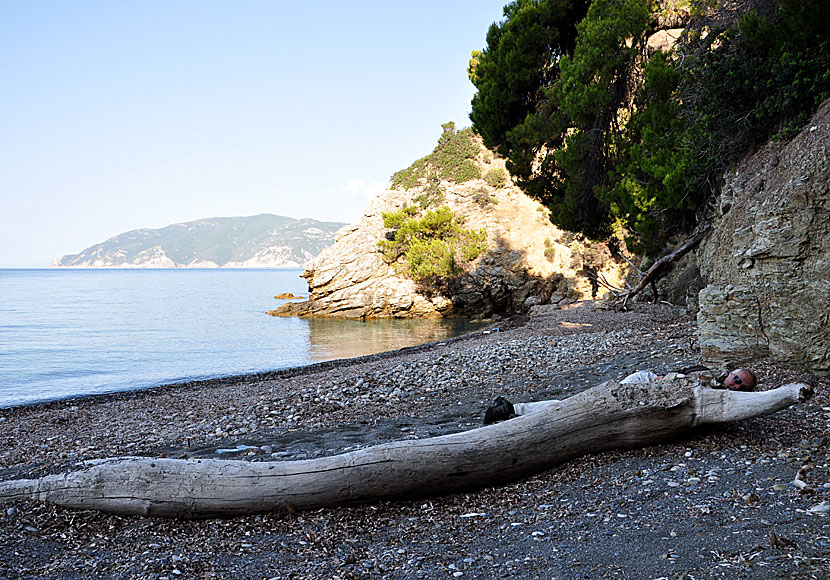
(528, 261)
(766, 266)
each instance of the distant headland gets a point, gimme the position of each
(260, 241)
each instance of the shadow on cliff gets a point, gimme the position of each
(503, 282)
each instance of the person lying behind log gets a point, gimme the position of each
(615, 416)
(738, 380)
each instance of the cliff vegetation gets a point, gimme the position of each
(622, 116)
(452, 236)
(432, 247)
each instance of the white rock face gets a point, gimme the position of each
(153, 258)
(285, 256)
(202, 264)
(527, 256)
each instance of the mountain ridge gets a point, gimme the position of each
(258, 241)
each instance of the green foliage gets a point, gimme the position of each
(451, 160)
(607, 134)
(474, 245)
(698, 8)
(496, 177)
(433, 196)
(467, 170)
(410, 177)
(594, 76)
(734, 89)
(520, 61)
(454, 155)
(431, 258)
(433, 246)
(550, 250)
(594, 86)
(762, 78)
(395, 219)
(648, 187)
(561, 142)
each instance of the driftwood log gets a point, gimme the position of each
(605, 417)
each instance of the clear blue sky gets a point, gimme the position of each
(116, 115)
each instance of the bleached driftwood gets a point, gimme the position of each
(602, 418)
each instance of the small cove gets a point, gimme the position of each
(65, 333)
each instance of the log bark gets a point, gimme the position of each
(605, 417)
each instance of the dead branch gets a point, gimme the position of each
(660, 267)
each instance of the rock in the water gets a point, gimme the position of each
(767, 263)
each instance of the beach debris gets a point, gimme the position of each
(780, 542)
(467, 460)
(238, 449)
(798, 481)
(822, 508)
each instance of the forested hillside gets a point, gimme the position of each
(622, 116)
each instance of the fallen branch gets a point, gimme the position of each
(602, 418)
(603, 281)
(659, 268)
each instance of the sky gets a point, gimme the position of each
(140, 113)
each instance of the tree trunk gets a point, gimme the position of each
(602, 418)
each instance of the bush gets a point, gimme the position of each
(410, 177)
(467, 170)
(431, 259)
(451, 160)
(496, 178)
(483, 198)
(395, 219)
(550, 250)
(433, 194)
(432, 246)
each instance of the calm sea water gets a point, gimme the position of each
(76, 332)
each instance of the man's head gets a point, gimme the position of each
(740, 380)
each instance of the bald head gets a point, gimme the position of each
(740, 380)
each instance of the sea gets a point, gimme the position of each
(66, 333)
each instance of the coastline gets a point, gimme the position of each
(703, 506)
(229, 380)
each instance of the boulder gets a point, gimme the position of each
(766, 265)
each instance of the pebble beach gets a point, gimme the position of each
(744, 500)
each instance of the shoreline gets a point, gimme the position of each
(707, 505)
(224, 380)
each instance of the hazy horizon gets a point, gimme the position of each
(120, 116)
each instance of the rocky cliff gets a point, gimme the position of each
(260, 241)
(527, 261)
(766, 267)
